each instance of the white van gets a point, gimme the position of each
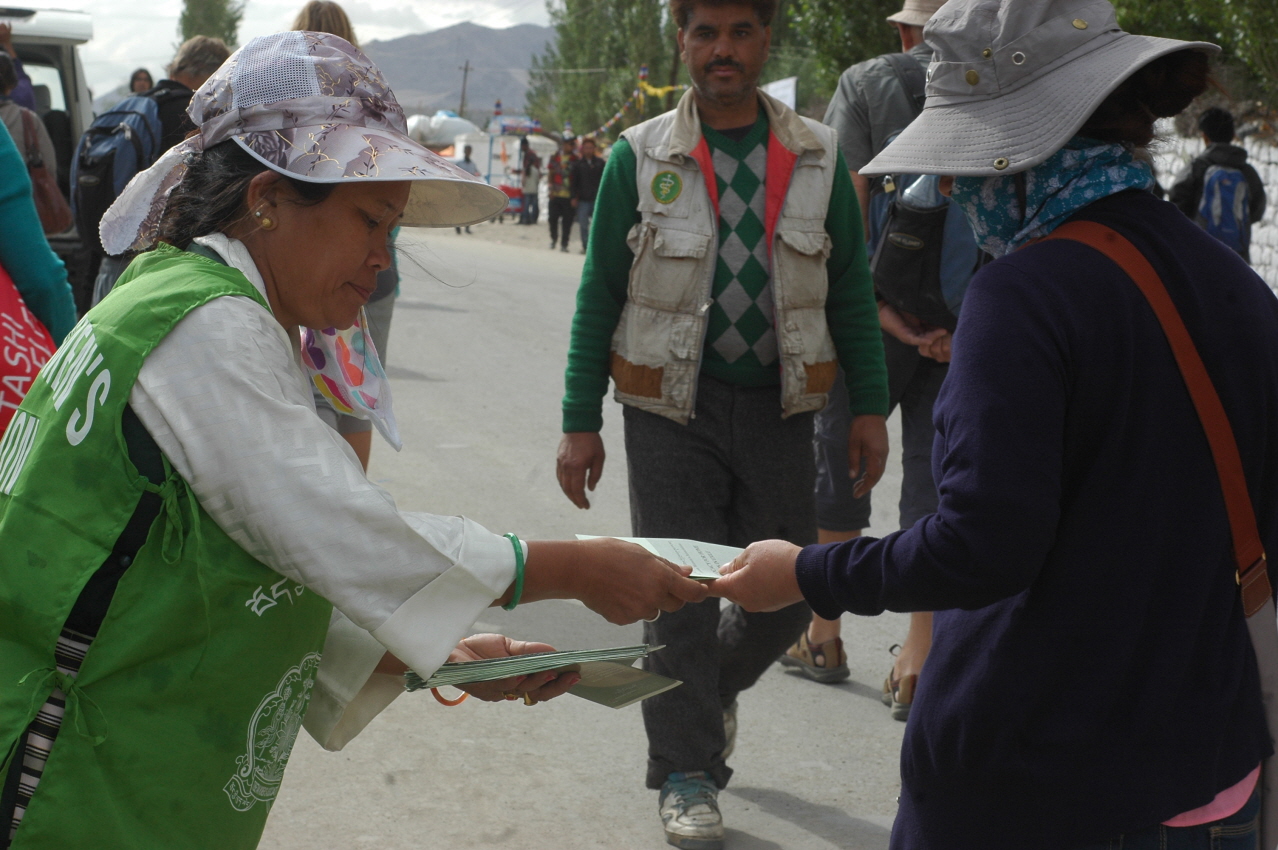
(46, 41)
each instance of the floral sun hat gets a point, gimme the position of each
(313, 107)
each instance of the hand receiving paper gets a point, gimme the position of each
(761, 578)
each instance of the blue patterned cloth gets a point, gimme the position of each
(1083, 171)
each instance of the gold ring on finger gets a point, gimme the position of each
(529, 699)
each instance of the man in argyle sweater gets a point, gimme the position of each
(724, 284)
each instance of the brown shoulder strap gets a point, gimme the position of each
(30, 139)
(1249, 553)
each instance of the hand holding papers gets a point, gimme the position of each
(603, 679)
(534, 687)
(763, 578)
(620, 581)
(704, 558)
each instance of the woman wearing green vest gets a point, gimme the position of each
(193, 564)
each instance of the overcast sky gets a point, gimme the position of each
(128, 34)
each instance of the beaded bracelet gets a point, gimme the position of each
(519, 572)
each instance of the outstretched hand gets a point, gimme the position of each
(626, 582)
(538, 686)
(761, 578)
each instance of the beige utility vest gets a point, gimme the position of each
(658, 344)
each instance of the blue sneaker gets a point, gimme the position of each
(689, 805)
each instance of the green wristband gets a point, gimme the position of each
(519, 572)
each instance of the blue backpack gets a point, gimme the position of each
(117, 145)
(1224, 208)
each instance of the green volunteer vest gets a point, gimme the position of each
(182, 718)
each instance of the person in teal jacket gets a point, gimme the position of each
(25, 254)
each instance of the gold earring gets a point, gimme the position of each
(266, 222)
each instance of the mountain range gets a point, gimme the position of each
(425, 69)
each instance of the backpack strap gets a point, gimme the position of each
(912, 76)
(30, 139)
(1252, 573)
(163, 95)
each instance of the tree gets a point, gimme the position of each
(839, 34)
(1246, 30)
(592, 67)
(214, 18)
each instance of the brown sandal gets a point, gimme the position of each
(898, 695)
(826, 663)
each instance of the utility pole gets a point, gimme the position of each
(465, 69)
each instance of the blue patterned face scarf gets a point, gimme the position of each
(1083, 171)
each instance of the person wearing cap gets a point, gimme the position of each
(195, 565)
(725, 284)
(1091, 682)
(872, 103)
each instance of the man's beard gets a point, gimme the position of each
(722, 97)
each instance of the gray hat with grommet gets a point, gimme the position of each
(1012, 81)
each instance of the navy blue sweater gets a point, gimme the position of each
(1091, 671)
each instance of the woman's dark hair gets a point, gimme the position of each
(8, 74)
(1161, 89)
(210, 198)
(681, 10)
(141, 72)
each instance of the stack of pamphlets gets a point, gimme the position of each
(606, 675)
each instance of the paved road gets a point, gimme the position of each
(477, 354)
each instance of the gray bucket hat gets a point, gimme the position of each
(916, 13)
(313, 107)
(1012, 81)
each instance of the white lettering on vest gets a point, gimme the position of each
(15, 447)
(78, 356)
(260, 602)
(100, 387)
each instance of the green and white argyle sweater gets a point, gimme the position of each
(741, 344)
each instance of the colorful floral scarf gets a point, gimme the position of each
(1083, 171)
(346, 370)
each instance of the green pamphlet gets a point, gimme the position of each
(607, 676)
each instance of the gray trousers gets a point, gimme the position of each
(735, 474)
(913, 384)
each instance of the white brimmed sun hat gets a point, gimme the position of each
(916, 13)
(313, 107)
(1012, 81)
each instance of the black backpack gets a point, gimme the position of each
(117, 145)
(922, 257)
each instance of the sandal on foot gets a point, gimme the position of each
(826, 663)
(898, 695)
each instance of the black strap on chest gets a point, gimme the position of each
(913, 79)
(91, 606)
